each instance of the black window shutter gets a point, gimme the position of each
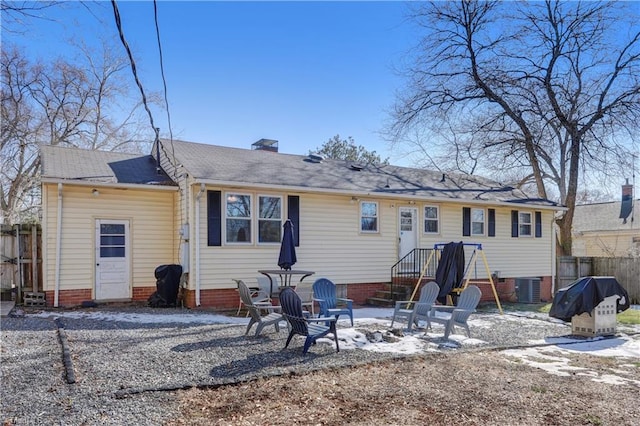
(466, 221)
(492, 222)
(514, 223)
(538, 224)
(214, 218)
(293, 209)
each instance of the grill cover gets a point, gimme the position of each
(584, 294)
(167, 284)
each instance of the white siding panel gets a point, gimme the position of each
(332, 246)
(153, 235)
(513, 257)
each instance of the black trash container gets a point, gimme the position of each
(167, 285)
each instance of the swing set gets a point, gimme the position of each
(477, 251)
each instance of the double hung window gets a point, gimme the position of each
(238, 218)
(431, 220)
(368, 216)
(269, 219)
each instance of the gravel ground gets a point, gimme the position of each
(133, 373)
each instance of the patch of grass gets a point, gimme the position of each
(545, 308)
(630, 316)
(538, 389)
(591, 419)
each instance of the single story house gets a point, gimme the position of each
(109, 219)
(598, 231)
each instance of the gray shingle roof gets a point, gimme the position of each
(100, 166)
(244, 166)
(604, 217)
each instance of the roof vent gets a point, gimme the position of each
(357, 167)
(265, 145)
(315, 158)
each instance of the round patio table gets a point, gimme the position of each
(285, 276)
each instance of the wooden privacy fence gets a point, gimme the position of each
(571, 268)
(625, 269)
(21, 266)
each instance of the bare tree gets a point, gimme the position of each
(15, 13)
(82, 104)
(549, 91)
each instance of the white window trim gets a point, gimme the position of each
(424, 219)
(377, 216)
(252, 224)
(531, 224)
(258, 219)
(484, 222)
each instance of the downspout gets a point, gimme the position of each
(554, 259)
(197, 241)
(56, 291)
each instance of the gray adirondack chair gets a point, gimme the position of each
(304, 289)
(413, 311)
(259, 294)
(311, 328)
(273, 318)
(451, 316)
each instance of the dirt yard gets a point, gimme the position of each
(479, 388)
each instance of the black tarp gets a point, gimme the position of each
(450, 272)
(167, 286)
(584, 294)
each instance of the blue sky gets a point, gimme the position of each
(298, 72)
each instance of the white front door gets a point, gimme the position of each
(408, 230)
(112, 259)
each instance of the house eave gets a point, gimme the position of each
(115, 185)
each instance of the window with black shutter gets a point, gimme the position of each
(293, 211)
(492, 223)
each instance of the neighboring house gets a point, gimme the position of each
(110, 219)
(598, 231)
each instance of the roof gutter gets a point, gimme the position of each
(391, 196)
(110, 184)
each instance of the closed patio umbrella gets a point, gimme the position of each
(287, 256)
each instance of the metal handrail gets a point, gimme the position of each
(411, 265)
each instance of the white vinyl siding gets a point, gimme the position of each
(513, 257)
(153, 232)
(332, 245)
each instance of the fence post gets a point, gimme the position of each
(34, 258)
